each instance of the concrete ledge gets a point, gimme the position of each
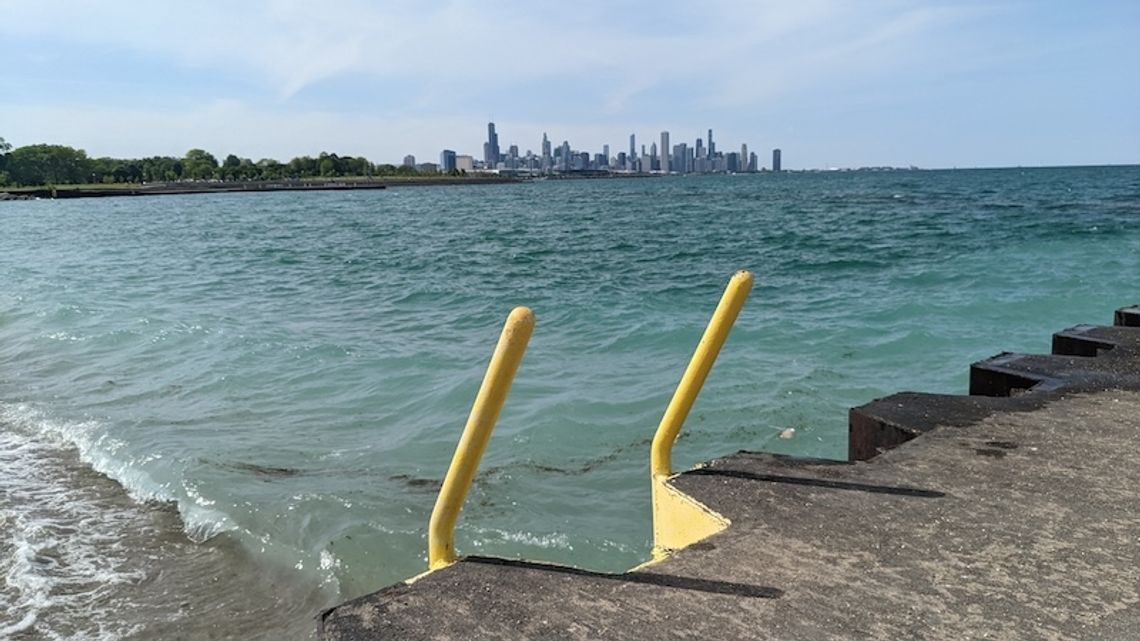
(1015, 516)
(1128, 316)
(1085, 358)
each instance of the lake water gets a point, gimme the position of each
(222, 413)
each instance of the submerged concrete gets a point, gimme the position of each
(1015, 515)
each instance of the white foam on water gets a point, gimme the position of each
(552, 541)
(71, 565)
(108, 456)
(62, 555)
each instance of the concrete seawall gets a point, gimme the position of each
(1011, 513)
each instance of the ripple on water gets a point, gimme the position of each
(193, 349)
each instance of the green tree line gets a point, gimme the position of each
(35, 165)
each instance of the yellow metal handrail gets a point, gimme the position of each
(700, 365)
(485, 411)
(677, 519)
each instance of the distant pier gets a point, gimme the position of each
(1010, 513)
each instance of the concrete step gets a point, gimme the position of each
(1127, 316)
(886, 423)
(1114, 364)
(1081, 341)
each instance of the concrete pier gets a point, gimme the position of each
(1012, 513)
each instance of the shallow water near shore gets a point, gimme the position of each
(221, 413)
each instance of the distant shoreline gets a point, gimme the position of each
(210, 187)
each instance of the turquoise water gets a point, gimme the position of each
(275, 382)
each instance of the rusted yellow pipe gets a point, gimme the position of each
(488, 402)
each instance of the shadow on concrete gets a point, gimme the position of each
(646, 578)
(832, 485)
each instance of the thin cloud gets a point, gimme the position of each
(289, 46)
(364, 74)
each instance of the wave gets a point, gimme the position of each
(94, 548)
(64, 511)
(99, 451)
(63, 554)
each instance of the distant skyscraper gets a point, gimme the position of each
(606, 153)
(447, 161)
(665, 151)
(732, 161)
(632, 147)
(712, 145)
(775, 160)
(680, 158)
(743, 157)
(547, 157)
(700, 148)
(491, 147)
(409, 161)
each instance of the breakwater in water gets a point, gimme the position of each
(284, 375)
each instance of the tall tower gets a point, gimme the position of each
(664, 152)
(632, 146)
(775, 160)
(744, 156)
(547, 157)
(712, 145)
(491, 149)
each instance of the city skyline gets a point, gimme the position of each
(883, 82)
(679, 158)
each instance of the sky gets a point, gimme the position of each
(833, 83)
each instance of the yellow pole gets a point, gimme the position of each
(488, 402)
(704, 357)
